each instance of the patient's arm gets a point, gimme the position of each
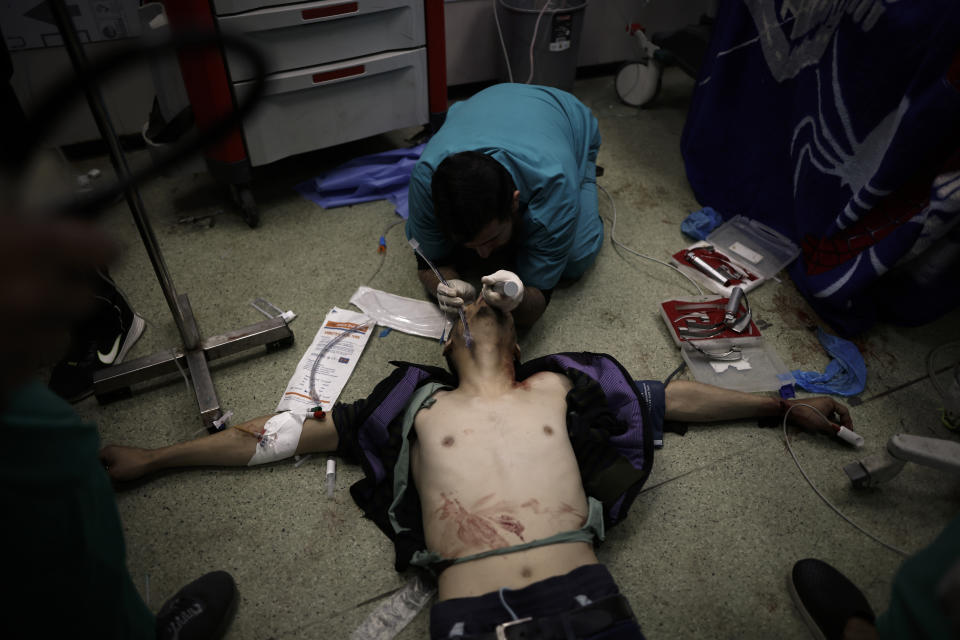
(696, 402)
(232, 447)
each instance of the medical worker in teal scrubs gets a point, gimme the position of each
(507, 187)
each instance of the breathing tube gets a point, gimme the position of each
(463, 318)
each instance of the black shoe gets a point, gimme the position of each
(826, 598)
(100, 341)
(201, 610)
(116, 326)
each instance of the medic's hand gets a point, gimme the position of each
(453, 297)
(808, 419)
(502, 289)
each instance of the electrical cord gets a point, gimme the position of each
(533, 39)
(817, 491)
(503, 45)
(52, 109)
(617, 243)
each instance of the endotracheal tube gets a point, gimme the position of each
(463, 318)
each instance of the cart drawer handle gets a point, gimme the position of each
(326, 12)
(338, 73)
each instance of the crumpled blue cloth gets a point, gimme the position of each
(699, 224)
(845, 375)
(378, 176)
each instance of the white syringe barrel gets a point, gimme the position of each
(507, 288)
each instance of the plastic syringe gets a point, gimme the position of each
(508, 288)
(463, 318)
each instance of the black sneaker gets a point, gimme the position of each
(826, 598)
(117, 326)
(102, 340)
(201, 610)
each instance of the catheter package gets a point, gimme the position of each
(416, 317)
(740, 252)
(718, 355)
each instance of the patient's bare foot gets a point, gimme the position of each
(124, 464)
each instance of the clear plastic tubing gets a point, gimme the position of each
(463, 318)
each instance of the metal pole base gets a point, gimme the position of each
(116, 382)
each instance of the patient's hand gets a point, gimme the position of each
(808, 419)
(124, 464)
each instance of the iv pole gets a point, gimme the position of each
(115, 382)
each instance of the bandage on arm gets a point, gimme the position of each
(236, 446)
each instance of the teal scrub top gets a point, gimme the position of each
(544, 138)
(65, 560)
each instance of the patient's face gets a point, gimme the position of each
(487, 325)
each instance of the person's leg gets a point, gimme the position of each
(588, 233)
(919, 605)
(828, 602)
(102, 340)
(232, 447)
(202, 610)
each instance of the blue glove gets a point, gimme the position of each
(699, 224)
(845, 375)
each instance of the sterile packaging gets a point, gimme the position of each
(743, 362)
(338, 362)
(743, 247)
(417, 317)
(758, 369)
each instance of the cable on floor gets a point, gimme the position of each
(817, 491)
(617, 243)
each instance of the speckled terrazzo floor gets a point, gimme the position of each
(707, 546)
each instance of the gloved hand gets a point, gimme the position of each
(502, 289)
(452, 297)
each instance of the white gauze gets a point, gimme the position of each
(281, 434)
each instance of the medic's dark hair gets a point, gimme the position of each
(470, 190)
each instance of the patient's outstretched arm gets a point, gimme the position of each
(232, 447)
(689, 401)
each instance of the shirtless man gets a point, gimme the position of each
(493, 469)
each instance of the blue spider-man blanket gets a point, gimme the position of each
(838, 124)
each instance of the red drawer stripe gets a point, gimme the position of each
(339, 73)
(326, 12)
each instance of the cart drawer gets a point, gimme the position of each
(327, 105)
(295, 36)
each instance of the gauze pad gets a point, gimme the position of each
(280, 437)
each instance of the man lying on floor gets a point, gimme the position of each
(500, 478)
